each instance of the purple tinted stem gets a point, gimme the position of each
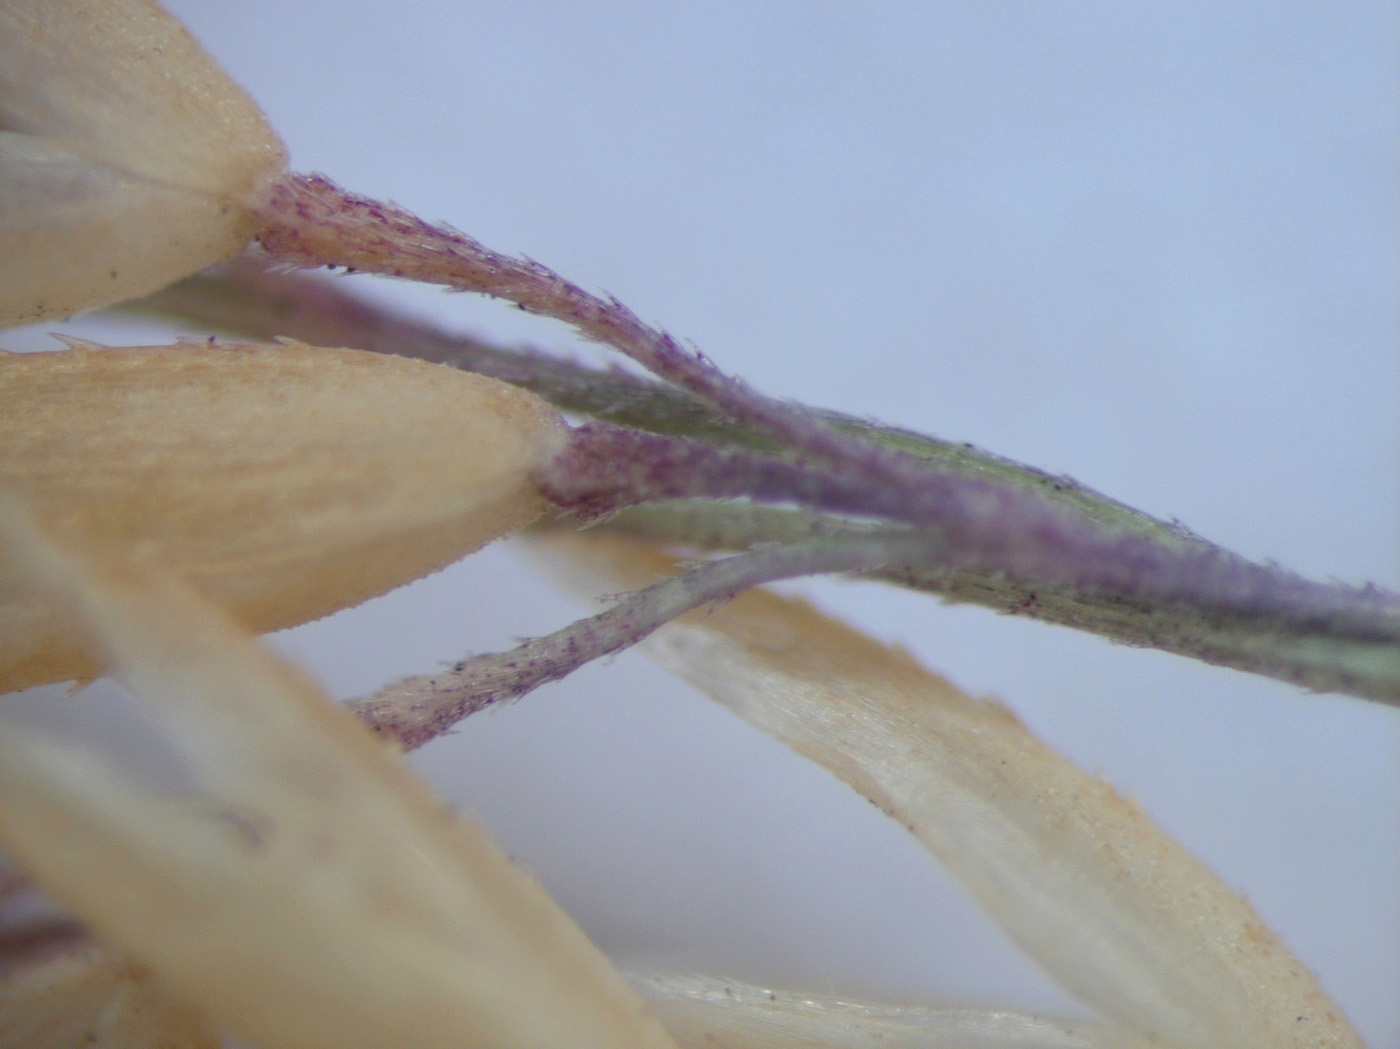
(418, 709)
(308, 221)
(984, 526)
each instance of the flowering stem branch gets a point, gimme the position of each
(418, 709)
(1013, 538)
(308, 221)
(252, 299)
(988, 530)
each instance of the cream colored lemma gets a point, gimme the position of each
(308, 891)
(286, 482)
(127, 156)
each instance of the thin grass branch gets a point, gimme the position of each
(418, 709)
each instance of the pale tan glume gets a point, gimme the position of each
(285, 482)
(128, 158)
(312, 893)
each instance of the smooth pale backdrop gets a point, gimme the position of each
(1150, 246)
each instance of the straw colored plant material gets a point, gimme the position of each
(705, 1013)
(96, 1000)
(128, 159)
(1102, 899)
(286, 482)
(308, 891)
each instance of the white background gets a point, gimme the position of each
(1151, 246)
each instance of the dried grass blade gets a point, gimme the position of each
(1081, 879)
(128, 158)
(313, 893)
